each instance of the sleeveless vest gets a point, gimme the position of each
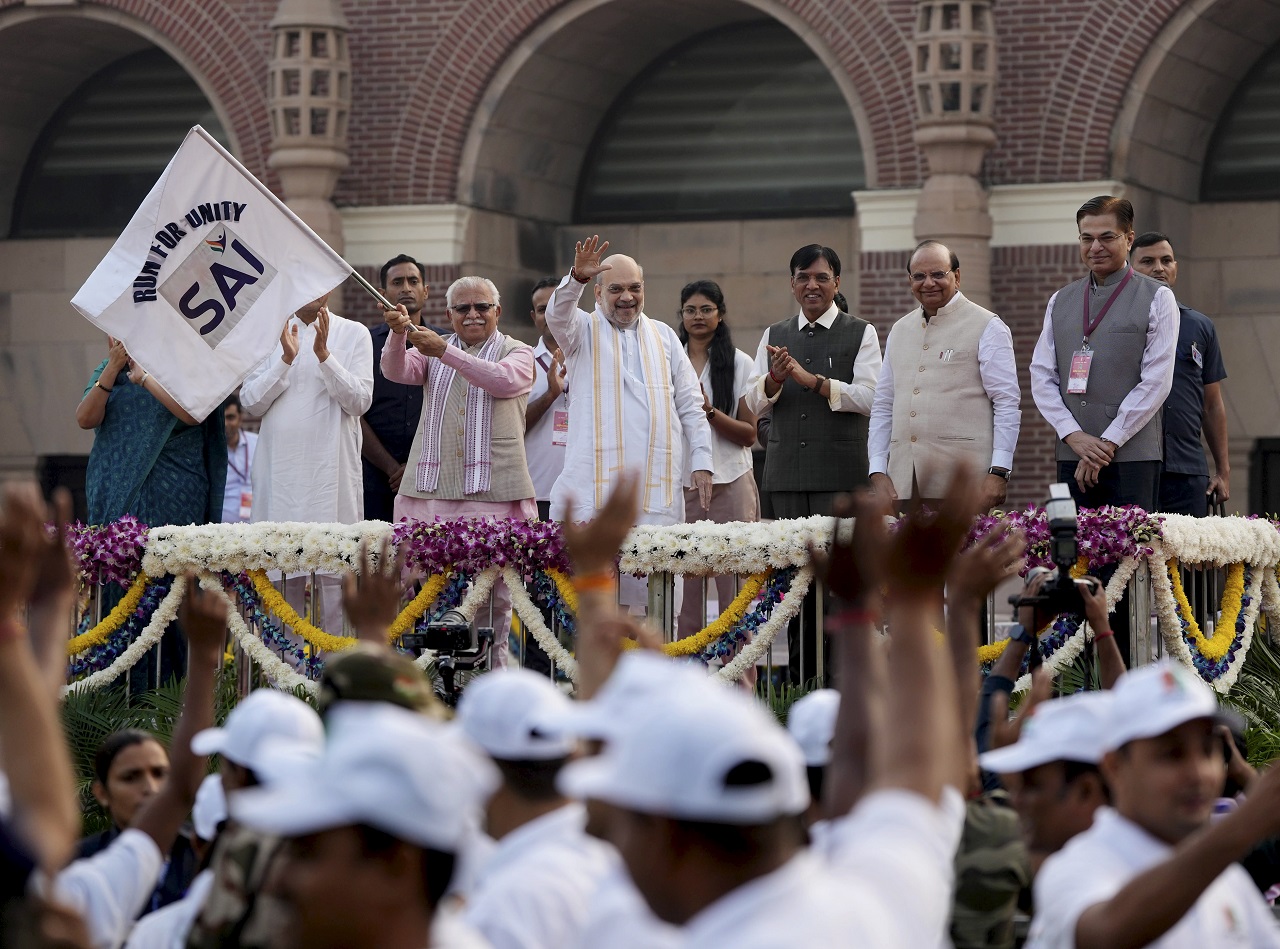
(812, 448)
(942, 414)
(1118, 343)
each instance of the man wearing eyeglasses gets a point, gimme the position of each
(948, 390)
(467, 457)
(815, 373)
(634, 401)
(1102, 369)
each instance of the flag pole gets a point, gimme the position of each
(373, 291)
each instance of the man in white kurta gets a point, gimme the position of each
(310, 393)
(634, 401)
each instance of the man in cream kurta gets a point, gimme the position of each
(467, 457)
(310, 393)
(634, 400)
(948, 390)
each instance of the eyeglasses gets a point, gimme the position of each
(462, 309)
(935, 275)
(634, 289)
(695, 310)
(803, 278)
(1104, 239)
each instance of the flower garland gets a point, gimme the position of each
(278, 672)
(277, 604)
(416, 607)
(1215, 647)
(750, 656)
(532, 619)
(119, 614)
(100, 657)
(712, 633)
(164, 614)
(110, 553)
(770, 596)
(271, 633)
(564, 586)
(1217, 660)
(554, 589)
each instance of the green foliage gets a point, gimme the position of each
(779, 699)
(89, 717)
(1256, 696)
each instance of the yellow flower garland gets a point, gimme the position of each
(993, 651)
(1215, 647)
(273, 601)
(118, 616)
(568, 595)
(692, 645)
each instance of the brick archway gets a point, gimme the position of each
(475, 62)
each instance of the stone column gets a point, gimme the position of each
(309, 95)
(955, 71)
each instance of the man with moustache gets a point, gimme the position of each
(389, 424)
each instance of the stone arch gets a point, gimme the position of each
(227, 63)
(583, 53)
(1181, 88)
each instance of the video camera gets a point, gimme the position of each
(1059, 594)
(458, 646)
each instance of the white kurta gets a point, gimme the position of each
(307, 463)
(690, 432)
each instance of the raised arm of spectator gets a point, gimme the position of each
(33, 751)
(371, 598)
(854, 579)
(593, 548)
(1110, 662)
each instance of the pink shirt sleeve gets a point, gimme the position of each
(403, 365)
(505, 379)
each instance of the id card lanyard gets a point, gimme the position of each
(1082, 358)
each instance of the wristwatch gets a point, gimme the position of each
(817, 383)
(999, 472)
(711, 413)
(1020, 634)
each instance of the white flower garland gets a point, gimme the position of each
(705, 547)
(1219, 540)
(294, 547)
(532, 619)
(278, 672)
(765, 635)
(164, 614)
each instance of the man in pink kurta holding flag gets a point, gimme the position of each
(467, 457)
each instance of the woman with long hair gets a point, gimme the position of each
(725, 373)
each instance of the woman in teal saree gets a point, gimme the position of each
(151, 459)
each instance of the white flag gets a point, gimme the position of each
(202, 281)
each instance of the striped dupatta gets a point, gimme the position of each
(610, 428)
(479, 422)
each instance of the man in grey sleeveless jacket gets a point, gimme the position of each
(1104, 365)
(816, 374)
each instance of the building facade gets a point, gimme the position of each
(707, 139)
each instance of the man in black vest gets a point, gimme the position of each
(816, 374)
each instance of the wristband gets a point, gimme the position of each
(775, 378)
(1021, 634)
(574, 274)
(1103, 633)
(601, 581)
(98, 383)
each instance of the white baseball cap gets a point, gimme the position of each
(259, 727)
(702, 753)
(385, 766)
(1072, 728)
(1155, 699)
(505, 712)
(812, 722)
(211, 807)
(640, 679)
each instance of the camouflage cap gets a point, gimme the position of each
(369, 673)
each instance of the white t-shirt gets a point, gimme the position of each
(619, 918)
(110, 888)
(535, 889)
(1095, 865)
(545, 442)
(167, 927)
(730, 461)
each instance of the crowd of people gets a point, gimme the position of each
(905, 807)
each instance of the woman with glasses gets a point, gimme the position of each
(725, 374)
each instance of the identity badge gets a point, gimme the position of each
(1078, 379)
(1196, 356)
(560, 428)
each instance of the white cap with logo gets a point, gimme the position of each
(703, 753)
(812, 723)
(1155, 699)
(506, 713)
(265, 725)
(1072, 728)
(385, 766)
